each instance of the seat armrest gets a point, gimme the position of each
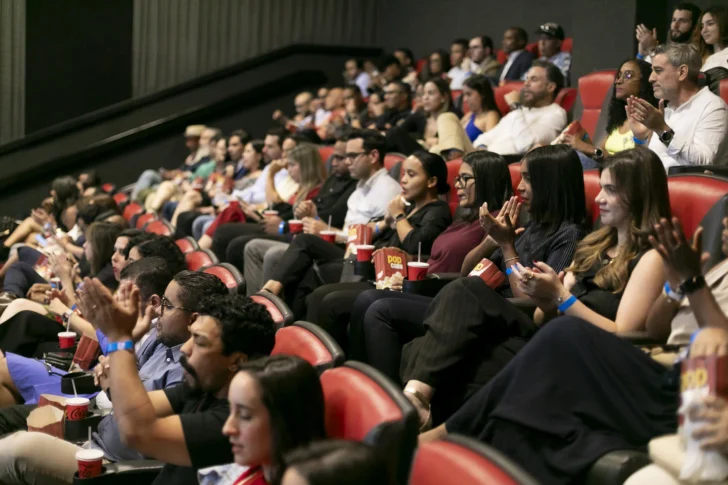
(615, 467)
(138, 472)
(431, 285)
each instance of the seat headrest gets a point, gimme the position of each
(298, 341)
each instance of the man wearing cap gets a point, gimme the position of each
(551, 37)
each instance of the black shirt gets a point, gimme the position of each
(427, 223)
(332, 199)
(391, 118)
(202, 417)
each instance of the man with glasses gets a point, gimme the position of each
(482, 60)
(398, 102)
(303, 118)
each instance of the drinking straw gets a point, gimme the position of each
(88, 443)
(329, 223)
(419, 251)
(73, 383)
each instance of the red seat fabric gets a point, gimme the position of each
(309, 342)
(692, 196)
(420, 64)
(143, 219)
(453, 168)
(278, 310)
(325, 151)
(724, 89)
(515, 169)
(463, 460)
(593, 88)
(108, 188)
(199, 259)
(120, 198)
(391, 159)
(566, 98)
(131, 210)
(187, 244)
(501, 56)
(500, 93)
(228, 274)
(159, 227)
(591, 190)
(567, 45)
(533, 49)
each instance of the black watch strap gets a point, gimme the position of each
(692, 285)
(400, 216)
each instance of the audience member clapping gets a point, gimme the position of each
(685, 17)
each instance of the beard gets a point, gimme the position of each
(680, 37)
(194, 381)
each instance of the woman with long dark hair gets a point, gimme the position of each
(484, 114)
(437, 67)
(712, 37)
(632, 79)
(276, 405)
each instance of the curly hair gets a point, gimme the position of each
(245, 326)
(616, 114)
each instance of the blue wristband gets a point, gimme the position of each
(281, 227)
(674, 295)
(567, 304)
(114, 346)
(639, 56)
(637, 141)
(509, 270)
(376, 228)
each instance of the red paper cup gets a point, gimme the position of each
(329, 236)
(90, 463)
(295, 226)
(66, 340)
(417, 271)
(364, 252)
(76, 408)
(270, 213)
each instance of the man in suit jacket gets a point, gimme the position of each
(519, 60)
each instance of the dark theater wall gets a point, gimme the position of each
(78, 58)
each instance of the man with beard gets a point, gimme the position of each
(682, 25)
(534, 118)
(29, 456)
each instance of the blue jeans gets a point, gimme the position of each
(200, 225)
(147, 180)
(586, 162)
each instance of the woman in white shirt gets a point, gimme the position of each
(713, 38)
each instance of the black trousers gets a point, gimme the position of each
(295, 270)
(13, 418)
(235, 252)
(19, 278)
(27, 333)
(184, 224)
(226, 233)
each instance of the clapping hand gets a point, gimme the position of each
(541, 284)
(646, 114)
(116, 318)
(646, 38)
(305, 209)
(501, 228)
(682, 259)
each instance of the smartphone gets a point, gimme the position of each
(41, 240)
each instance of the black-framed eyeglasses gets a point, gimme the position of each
(463, 179)
(166, 304)
(354, 156)
(338, 158)
(625, 76)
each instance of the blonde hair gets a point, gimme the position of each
(307, 156)
(639, 177)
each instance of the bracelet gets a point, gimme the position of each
(281, 227)
(510, 259)
(637, 141)
(566, 304)
(639, 56)
(376, 228)
(114, 346)
(676, 296)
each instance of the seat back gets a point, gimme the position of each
(458, 459)
(692, 196)
(453, 168)
(229, 274)
(131, 210)
(391, 159)
(159, 227)
(187, 244)
(712, 224)
(282, 315)
(500, 92)
(108, 188)
(724, 89)
(566, 98)
(364, 405)
(567, 45)
(143, 219)
(591, 190)
(593, 88)
(515, 169)
(120, 198)
(199, 259)
(311, 343)
(325, 151)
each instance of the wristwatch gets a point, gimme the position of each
(399, 217)
(598, 154)
(692, 285)
(667, 137)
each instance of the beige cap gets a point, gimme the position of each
(194, 131)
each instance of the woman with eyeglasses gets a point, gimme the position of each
(632, 79)
(483, 177)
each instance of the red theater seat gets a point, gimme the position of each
(453, 168)
(159, 227)
(461, 460)
(143, 219)
(325, 151)
(282, 315)
(500, 93)
(501, 56)
(108, 188)
(229, 274)
(515, 169)
(187, 244)
(311, 343)
(120, 198)
(199, 259)
(593, 88)
(533, 49)
(567, 45)
(131, 210)
(591, 190)
(566, 98)
(420, 64)
(692, 196)
(391, 159)
(724, 89)
(363, 405)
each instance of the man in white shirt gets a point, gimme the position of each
(690, 123)
(534, 120)
(461, 64)
(354, 74)
(519, 59)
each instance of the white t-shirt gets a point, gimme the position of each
(457, 76)
(719, 59)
